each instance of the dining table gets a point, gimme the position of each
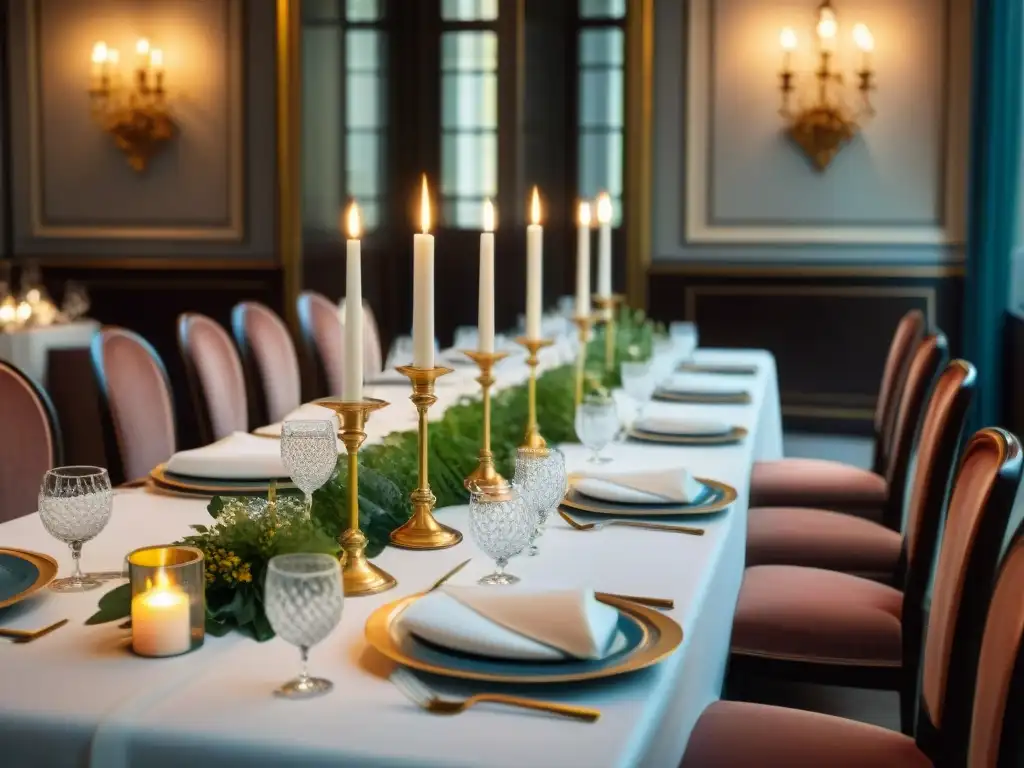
(80, 697)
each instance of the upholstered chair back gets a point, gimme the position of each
(909, 333)
(269, 360)
(136, 397)
(323, 343)
(33, 443)
(215, 378)
(373, 352)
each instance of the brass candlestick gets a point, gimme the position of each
(609, 305)
(360, 576)
(533, 440)
(582, 323)
(485, 476)
(422, 531)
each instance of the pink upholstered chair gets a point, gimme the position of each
(831, 627)
(269, 360)
(840, 541)
(970, 702)
(135, 395)
(323, 344)
(34, 444)
(215, 378)
(834, 485)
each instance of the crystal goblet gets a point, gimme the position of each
(639, 382)
(500, 524)
(309, 451)
(597, 423)
(544, 481)
(75, 505)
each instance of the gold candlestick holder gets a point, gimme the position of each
(422, 531)
(582, 323)
(485, 476)
(533, 440)
(359, 575)
(608, 306)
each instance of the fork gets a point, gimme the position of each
(631, 524)
(27, 636)
(418, 692)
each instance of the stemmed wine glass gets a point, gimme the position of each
(543, 480)
(501, 524)
(303, 598)
(597, 423)
(639, 382)
(309, 451)
(684, 337)
(75, 505)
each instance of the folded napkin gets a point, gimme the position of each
(663, 486)
(239, 456)
(526, 625)
(705, 384)
(666, 425)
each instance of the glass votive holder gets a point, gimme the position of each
(168, 600)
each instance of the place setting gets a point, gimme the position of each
(700, 390)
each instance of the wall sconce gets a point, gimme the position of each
(825, 127)
(135, 115)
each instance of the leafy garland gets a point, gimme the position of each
(247, 531)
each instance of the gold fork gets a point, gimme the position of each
(631, 524)
(27, 636)
(444, 579)
(422, 696)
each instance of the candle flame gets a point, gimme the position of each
(156, 58)
(425, 207)
(488, 215)
(584, 214)
(788, 39)
(99, 53)
(863, 38)
(353, 221)
(142, 46)
(535, 207)
(113, 56)
(604, 208)
(827, 24)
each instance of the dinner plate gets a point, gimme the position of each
(23, 573)
(731, 369)
(719, 497)
(734, 435)
(203, 486)
(650, 636)
(702, 396)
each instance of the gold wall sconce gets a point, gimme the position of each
(824, 127)
(135, 114)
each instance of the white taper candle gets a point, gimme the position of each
(423, 288)
(604, 245)
(534, 269)
(583, 262)
(485, 320)
(352, 381)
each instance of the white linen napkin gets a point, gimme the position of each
(528, 625)
(239, 456)
(705, 384)
(667, 425)
(653, 487)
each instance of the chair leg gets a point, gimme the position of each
(908, 709)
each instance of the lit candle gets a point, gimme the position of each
(534, 269)
(142, 54)
(827, 27)
(866, 42)
(485, 320)
(788, 40)
(352, 382)
(423, 288)
(99, 64)
(583, 262)
(160, 620)
(156, 60)
(604, 246)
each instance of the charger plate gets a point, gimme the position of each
(719, 497)
(203, 486)
(734, 435)
(729, 369)
(650, 637)
(702, 397)
(23, 573)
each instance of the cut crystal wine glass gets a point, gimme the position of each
(639, 382)
(543, 482)
(303, 598)
(597, 423)
(75, 505)
(501, 524)
(309, 451)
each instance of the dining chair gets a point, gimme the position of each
(373, 351)
(828, 627)
(28, 415)
(215, 378)
(269, 361)
(841, 541)
(323, 344)
(136, 403)
(973, 689)
(834, 485)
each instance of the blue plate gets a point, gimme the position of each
(22, 573)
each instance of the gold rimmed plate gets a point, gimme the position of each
(717, 496)
(702, 396)
(725, 369)
(23, 573)
(649, 637)
(733, 436)
(204, 486)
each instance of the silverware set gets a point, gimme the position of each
(576, 525)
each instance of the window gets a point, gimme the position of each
(469, 109)
(601, 105)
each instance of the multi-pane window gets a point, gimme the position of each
(365, 126)
(469, 109)
(601, 113)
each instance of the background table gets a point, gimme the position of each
(79, 697)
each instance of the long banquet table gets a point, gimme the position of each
(80, 697)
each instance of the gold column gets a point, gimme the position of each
(533, 440)
(289, 153)
(582, 323)
(485, 476)
(609, 306)
(639, 133)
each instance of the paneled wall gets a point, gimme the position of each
(763, 250)
(196, 231)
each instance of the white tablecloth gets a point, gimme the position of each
(79, 697)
